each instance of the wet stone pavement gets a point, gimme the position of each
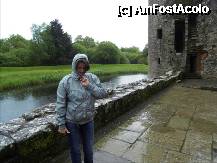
(178, 126)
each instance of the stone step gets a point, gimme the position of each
(191, 76)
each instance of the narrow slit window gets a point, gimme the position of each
(158, 60)
(159, 33)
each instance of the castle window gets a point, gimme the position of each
(179, 35)
(158, 60)
(159, 33)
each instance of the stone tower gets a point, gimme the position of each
(186, 42)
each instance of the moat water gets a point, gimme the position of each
(16, 102)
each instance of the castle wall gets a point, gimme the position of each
(163, 56)
(207, 40)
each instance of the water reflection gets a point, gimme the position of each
(15, 103)
(123, 79)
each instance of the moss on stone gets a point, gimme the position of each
(36, 145)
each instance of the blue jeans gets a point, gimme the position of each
(81, 133)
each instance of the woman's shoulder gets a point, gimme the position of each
(92, 75)
(65, 78)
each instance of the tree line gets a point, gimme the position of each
(50, 45)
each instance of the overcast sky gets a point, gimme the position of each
(95, 18)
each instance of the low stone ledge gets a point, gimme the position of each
(33, 136)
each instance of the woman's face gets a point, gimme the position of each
(81, 68)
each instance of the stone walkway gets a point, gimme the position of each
(179, 127)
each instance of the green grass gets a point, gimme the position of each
(18, 77)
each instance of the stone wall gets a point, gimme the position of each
(33, 136)
(162, 53)
(207, 40)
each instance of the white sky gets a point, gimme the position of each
(95, 18)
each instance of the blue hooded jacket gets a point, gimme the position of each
(73, 99)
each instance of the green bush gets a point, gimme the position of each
(124, 59)
(132, 57)
(16, 57)
(142, 59)
(107, 53)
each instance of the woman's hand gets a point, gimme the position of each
(63, 130)
(84, 81)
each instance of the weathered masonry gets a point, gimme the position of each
(186, 42)
(34, 137)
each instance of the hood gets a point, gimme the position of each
(75, 60)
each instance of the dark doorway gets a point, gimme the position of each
(193, 66)
(179, 35)
(193, 63)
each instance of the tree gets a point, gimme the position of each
(4, 46)
(37, 31)
(87, 42)
(85, 45)
(13, 42)
(51, 44)
(79, 48)
(132, 49)
(124, 59)
(145, 51)
(107, 53)
(15, 51)
(62, 44)
(41, 40)
(141, 59)
(133, 57)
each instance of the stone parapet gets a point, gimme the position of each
(33, 136)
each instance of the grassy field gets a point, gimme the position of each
(17, 77)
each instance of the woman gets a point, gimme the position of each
(76, 95)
